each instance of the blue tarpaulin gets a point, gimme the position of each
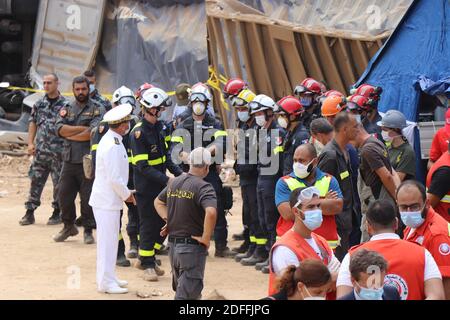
(420, 45)
(434, 87)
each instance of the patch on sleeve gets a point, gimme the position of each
(444, 249)
(63, 112)
(137, 134)
(101, 128)
(116, 140)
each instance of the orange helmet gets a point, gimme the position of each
(332, 105)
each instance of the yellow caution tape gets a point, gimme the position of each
(213, 81)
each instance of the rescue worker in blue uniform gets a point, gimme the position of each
(248, 175)
(213, 137)
(270, 169)
(151, 159)
(290, 113)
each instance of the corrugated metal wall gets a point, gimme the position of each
(275, 58)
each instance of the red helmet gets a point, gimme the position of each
(141, 90)
(357, 103)
(290, 105)
(329, 93)
(233, 87)
(310, 86)
(369, 91)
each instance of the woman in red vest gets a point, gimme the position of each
(309, 281)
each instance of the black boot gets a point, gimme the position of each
(88, 237)
(247, 254)
(134, 248)
(55, 218)
(122, 261)
(261, 265)
(243, 247)
(224, 252)
(67, 231)
(28, 218)
(239, 236)
(258, 256)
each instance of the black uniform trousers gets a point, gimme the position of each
(267, 211)
(133, 214)
(250, 211)
(150, 224)
(220, 230)
(72, 182)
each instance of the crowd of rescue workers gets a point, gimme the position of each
(342, 216)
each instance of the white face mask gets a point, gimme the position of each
(198, 108)
(386, 136)
(261, 120)
(310, 297)
(282, 122)
(358, 118)
(91, 87)
(301, 170)
(243, 116)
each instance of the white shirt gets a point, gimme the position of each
(431, 268)
(283, 257)
(111, 173)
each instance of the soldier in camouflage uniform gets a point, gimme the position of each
(46, 148)
(93, 92)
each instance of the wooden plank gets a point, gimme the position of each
(260, 61)
(231, 31)
(316, 69)
(333, 76)
(347, 61)
(218, 33)
(278, 61)
(245, 53)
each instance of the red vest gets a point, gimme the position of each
(328, 229)
(406, 265)
(444, 205)
(302, 250)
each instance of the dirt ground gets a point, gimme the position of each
(35, 267)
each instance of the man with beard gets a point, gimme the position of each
(75, 122)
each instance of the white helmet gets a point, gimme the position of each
(123, 95)
(200, 92)
(154, 98)
(262, 102)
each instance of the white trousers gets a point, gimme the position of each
(108, 225)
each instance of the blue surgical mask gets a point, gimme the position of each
(313, 219)
(412, 219)
(306, 101)
(370, 294)
(91, 87)
(243, 116)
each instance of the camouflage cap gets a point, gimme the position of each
(182, 94)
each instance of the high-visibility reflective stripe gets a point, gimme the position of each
(293, 183)
(137, 125)
(253, 239)
(139, 157)
(448, 226)
(344, 175)
(167, 146)
(278, 150)
(333, 244)
(94, 147)
(120, 236)
(323, 184)
(146, 253)
(220, 133)
(157, 246)
(155, 162)
(261, 241)
(130, 159)
(167, 138)
(177, 139)
(446, 199)
(138, 237)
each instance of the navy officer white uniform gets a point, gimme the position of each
(108, 194)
